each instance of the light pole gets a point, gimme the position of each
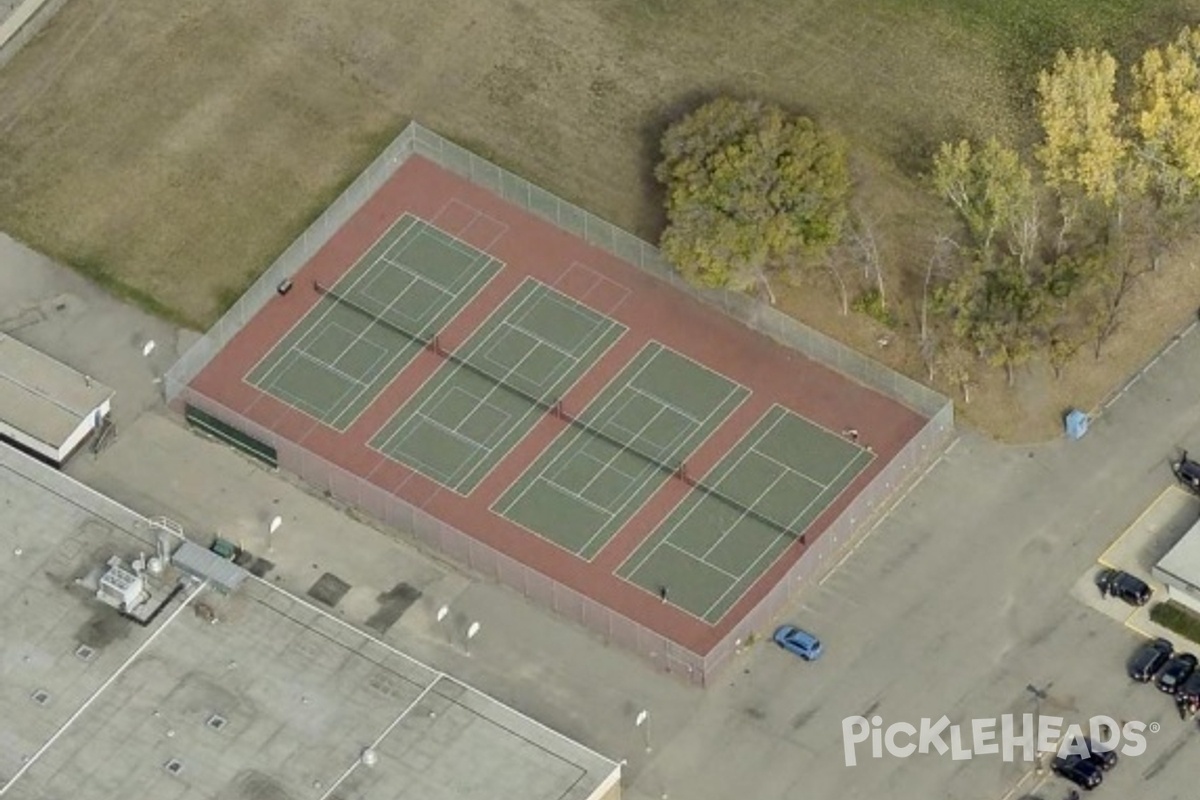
(274, 526)
(643, 721)
(441, 615)
(471, 631)
(1038, 696)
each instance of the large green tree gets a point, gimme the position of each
(750, 189)
(988, 186)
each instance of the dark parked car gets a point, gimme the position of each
(1176, 672)
(1188, 472)
(1079, 771)
(1188, 696)
(1104, 759)
(1131, 589)
(1149, 659)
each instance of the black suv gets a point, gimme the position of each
(1078, 770)
(1178, 669)
(1104, 759)
(1131, 589)
(1149, 659)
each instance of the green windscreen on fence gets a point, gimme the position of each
(231, 435)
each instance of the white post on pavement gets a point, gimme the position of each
(471, 631)
(643, 721)
(274, 526)
(441, 616)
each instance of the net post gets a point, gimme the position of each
(435, 345)
(681, 472)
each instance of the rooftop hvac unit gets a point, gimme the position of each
(121, 588)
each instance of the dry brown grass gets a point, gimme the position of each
(174, 149)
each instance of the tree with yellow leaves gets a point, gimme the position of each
(1082, 148)
(1166, 117)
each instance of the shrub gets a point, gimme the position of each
(1177, 618)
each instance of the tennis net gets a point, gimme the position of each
(676, 469)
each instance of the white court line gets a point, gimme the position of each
(495, 322)
(578, 429)
(676, 452)
(753, 566)
(626, 449)
(332, 365)
(670, 532)
(447, 479)
(665, 403)
(793, 470)
(583, 454)
(832, 483)
(302, 405)
(780, 537)
(601, 278)
(410, 219)
(453, 300)
(504, 227)
(342, 374)
(741, 516)
(320, 323)
(567, 303)
(410, 426)
(713, 567)
(783, 534)
(665, 451)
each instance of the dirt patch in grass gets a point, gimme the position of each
(173, 150)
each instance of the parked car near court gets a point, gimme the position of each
(1104, 759)
(1131, 589)
(1149, 659)
(798, 642)
(1178, 669)
(1079, 771)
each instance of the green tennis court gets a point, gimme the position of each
(371, 323)
(493, 389)
(628, 441)
(744, 513)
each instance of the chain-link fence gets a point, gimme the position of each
(819, 554)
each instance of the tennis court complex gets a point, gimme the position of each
(373, 321)
(492, 390)
(520, 386)
(754, 503)
(613, 456)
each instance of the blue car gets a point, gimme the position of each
(801, 643)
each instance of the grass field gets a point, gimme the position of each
(172, 151)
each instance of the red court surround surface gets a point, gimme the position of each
(529, 246)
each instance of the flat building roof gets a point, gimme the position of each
(1181, 564)
(252, 694)
(42, 398)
